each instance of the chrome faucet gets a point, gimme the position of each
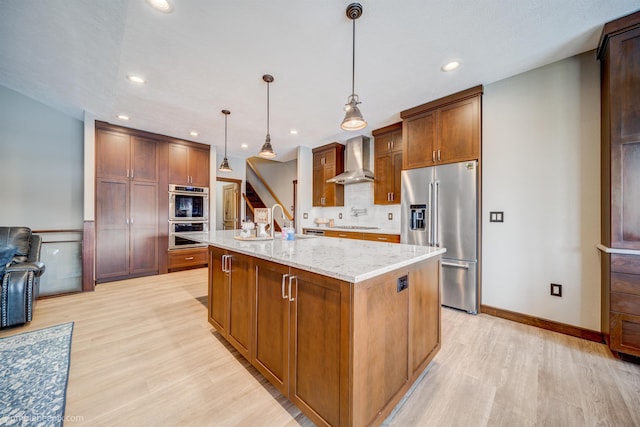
(273, 210)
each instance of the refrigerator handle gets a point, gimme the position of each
(436, 214)
(430, 216)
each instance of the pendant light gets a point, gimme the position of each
(267, 150)
(353, 119)
(224, 166)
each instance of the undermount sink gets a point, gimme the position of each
(355, 227)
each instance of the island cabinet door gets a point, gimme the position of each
(218, 290)
(271, 348)
(319, 347)
(241, 301)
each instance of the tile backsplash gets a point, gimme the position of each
(358, 196)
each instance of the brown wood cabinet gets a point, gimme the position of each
(344, 353)
(302, 338)
(231, 297)
(126, 205)
(619, 54)
(188, 165)
(447, 130)
(388, 165)
(328, 161)
(183, 259)
(358, 235)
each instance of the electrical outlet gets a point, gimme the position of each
(390, 216)
(556, 290)
(403, 283)
(305, 215)
(340, 215)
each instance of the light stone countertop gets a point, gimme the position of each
(345, 259)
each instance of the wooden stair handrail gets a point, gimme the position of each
(261, 179)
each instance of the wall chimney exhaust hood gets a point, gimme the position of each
(356, 162)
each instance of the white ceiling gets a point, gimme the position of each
(209, 55)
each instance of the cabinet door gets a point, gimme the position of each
(272, 324)
(199, 167)
(332, 192)
(112, 154)
(625, 139)
(396, 189)
(459, 131)
(396, 141)
(143, 225)
(384, 184)
(241, 302)
(178, 164)
(318, 186)
(218, 291)
(144, 159)
(319, 346)
(112, 228)
(419, 140)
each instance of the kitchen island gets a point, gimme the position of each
(339, 326)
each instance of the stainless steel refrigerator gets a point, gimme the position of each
(440, 208)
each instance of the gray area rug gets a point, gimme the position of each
(34, 370)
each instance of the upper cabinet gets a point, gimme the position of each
(120, 155)
(388, 164)
(328, 161)
(447, 130)
(188, 165)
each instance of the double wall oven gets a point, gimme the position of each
(188, 211)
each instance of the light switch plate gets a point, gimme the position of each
(305, 215)
(496, 216)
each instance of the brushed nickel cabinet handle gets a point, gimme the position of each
(284, 277)
(291, 278)
(188, 258)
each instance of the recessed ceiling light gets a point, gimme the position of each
(293, 132)
(135, 79)
(244, 146)
(123, 117)
(193, 133)
(451, 65)
(161, 5)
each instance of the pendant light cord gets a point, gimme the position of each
(353, 59)
(225, 136)
(268, 108)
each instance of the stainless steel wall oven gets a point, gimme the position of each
(188, 203)
(188, 211)
(177, 242)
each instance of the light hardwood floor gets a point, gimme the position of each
(143, 353)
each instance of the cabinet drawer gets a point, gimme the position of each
(390, 238)
(187, 258)
(627, 283)
(343, 234)
(625, 333)
(625, 303)
(625, 264)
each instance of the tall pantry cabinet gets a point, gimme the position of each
(127, 177)
(619, 55)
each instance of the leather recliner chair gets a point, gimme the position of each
(21, 277)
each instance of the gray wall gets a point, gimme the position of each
(41, 152)
(541, 166)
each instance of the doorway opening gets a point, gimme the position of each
(228, 203)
